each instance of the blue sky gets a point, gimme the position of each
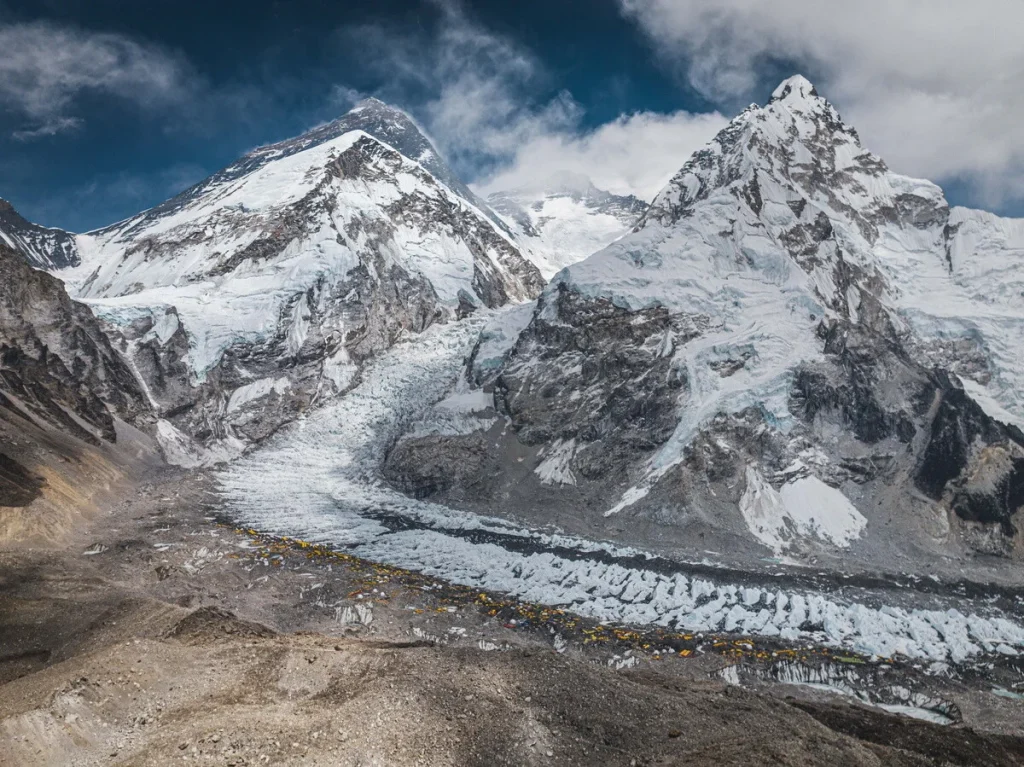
(267, 70)
(110, 106)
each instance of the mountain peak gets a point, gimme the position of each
(372, 103)
(796, 87)
(569, 180)
(369, 101)
(41, 246)
(372, 108)
(800, 142)
(390, 125)
(385, 123)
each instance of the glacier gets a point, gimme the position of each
(319, 480)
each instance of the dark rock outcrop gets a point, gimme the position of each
(55, 360)
(593, 372)
(971, 460)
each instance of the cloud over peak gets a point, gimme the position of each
(480, 96)
(933, 87)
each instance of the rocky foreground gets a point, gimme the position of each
(152, 633)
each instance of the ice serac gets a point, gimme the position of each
(42, 247)
(795, 348)
(565, 218)
(260, 291)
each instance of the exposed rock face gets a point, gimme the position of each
(262, 290)
(42, 247)
(974, 464)
(56, 364)
(796, 348)
(565, 218)
(62, 387)
(605, 353)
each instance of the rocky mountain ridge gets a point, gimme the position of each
(68, 404)
(56, 364)
(796, 350)
(260, 292)
(42, 247)
(387, 124)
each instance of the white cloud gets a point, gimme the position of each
(932, 86)
(51, 127)
(44, 67)
(635, 154)
(483, 111)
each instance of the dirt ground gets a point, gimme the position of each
(152, 633)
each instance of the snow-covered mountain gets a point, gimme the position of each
(797, 351)
(261, 290)
(42, 247)
(565, 218)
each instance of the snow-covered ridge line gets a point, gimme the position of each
(111, 281)
(43, 247)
